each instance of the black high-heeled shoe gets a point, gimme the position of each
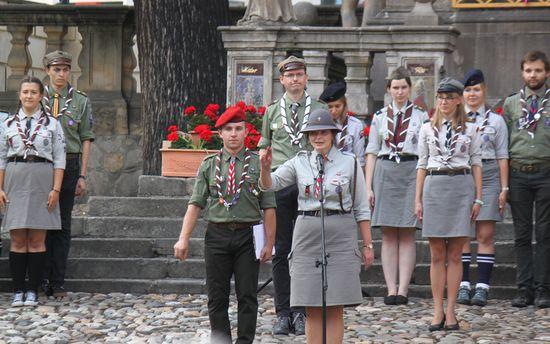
(437, 327)
(453, 327)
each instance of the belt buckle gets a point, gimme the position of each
(451, 173)
(232, 226)
(528, 168)
(30, 158)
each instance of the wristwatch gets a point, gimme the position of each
(478, 201)
(369, 246)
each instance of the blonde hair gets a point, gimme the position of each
(458, 118)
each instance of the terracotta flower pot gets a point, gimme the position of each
(181, 162)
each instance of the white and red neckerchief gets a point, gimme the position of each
(218, 177)
(396, 146)
(341, 143)
(450, 152)
(47, 105)
(295, 136)
(29, 142)
(525, 123)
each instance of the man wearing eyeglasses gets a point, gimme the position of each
(282, 124)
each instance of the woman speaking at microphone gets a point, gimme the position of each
(345, 207)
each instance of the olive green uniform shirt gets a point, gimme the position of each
(525, 149)
(251, 200)
(77, 121)
(275, 135)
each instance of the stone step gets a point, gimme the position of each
(138, 206)
(165, 186)
(159, 268)
(198, 286)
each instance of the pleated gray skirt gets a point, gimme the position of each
(27, 186)
(491, 191)
(343, 267)
(394, 186)
(447, 205)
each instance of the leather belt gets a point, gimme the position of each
(29, 158)
(529, 168)
(73, 156)
(401, 158)
(487, 160)
(317, 213)
(450, 173)
(232, 226)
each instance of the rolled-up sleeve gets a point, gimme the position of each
(423, 148)
(58, 149)
(475, 150)
(361, 208)
(373, 147)
(501, 139)
(201, 192)
(284, 175)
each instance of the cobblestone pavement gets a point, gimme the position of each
(120, 318)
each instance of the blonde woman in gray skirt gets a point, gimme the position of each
(448, 195)
(32, 161)
(392, 154)
(494, 148)
(346, 207)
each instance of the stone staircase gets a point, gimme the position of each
(124, 244)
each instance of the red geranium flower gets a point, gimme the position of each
(200, 128)
(206, 135)
(366, 131)
(350, 113)
(251, 109)
(251, 141)
(214, 108)
(261, 111)
(172, 128)
(499, 110)
(173, 136)
(241, 104)
(211, 115)
(190, 110)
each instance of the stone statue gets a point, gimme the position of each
(370, 9)
(268, 12)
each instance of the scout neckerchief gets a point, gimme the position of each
(29, 141)
(237, 192)
(452, 146)
(396, 140)
(531, 115)
(55, 112)
(295, 133)
(340, 144)
(484, 123)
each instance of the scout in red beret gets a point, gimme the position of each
(233, 114)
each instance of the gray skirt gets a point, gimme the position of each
(394, 188)
(343, 267)
(447, 204)
(27, 186)
(491, 191)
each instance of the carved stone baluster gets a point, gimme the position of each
(358, 64)
(84, 61)
(19, 60)
(129, 62)
(55, 35)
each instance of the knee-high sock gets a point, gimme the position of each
(466, 259)
(36, 267)
(18, 269)
(485, 264)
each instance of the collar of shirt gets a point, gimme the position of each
(481, 110)
(539, 93)
(300, 102)
(330, 157)
(396, 110)
(226, 155)
(63, 92)
(36, 115)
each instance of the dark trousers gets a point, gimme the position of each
(287, 211)
(58, 243)
(230, 253)
(530, 191)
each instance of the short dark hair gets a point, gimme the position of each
(32, 80)
(536, 55)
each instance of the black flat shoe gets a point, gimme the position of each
(401, 300)
(390, 299)
(453, 327)
(437, 327)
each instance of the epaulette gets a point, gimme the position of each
(302, 152)
(420, 108)
(81, 92)
(348, 153)
(210, 156)
(274, 102)
(378, 112)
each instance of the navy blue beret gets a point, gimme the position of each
(473, 77)
(333, 92)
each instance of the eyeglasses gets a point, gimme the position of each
(294, 75)
(443, 99)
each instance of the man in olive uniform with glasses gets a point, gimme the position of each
(73, 109)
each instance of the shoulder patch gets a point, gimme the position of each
(81, 92)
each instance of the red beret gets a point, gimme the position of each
(233, 114)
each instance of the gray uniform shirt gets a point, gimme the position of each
(339, 172)
(354, 142)
(379, 132)
(467, 150)
(494, 138)
(49, 142)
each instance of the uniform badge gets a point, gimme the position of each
(400, 144)
(463, 148)
(338, 189)
(70, 122)
(414, 140)
(537, 116)
(307, 191)
(486, 138)
(46, 142)
(547, 122)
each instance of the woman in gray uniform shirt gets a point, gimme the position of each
(346, 206)
(494, 152)
(32, 161)
(448, 199)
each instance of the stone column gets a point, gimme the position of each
(55, 35)
(392, 62)
(358, 64)
(129, 62)
(317, 66)
(277, 89)
(19, 60)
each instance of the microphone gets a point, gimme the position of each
(321, 163)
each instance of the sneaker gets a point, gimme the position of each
(59, 291)
(480, 297)
(542, 298)
(18, 299)
(31, 299)
(282, 326)
(299, 324)
(523, 298)
(463, 295)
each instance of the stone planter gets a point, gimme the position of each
(181, 162)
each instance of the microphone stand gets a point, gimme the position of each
(323, 261)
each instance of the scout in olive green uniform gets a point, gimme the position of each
(281, 130)
(527, 115)
(227, 188)
(74, 110)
